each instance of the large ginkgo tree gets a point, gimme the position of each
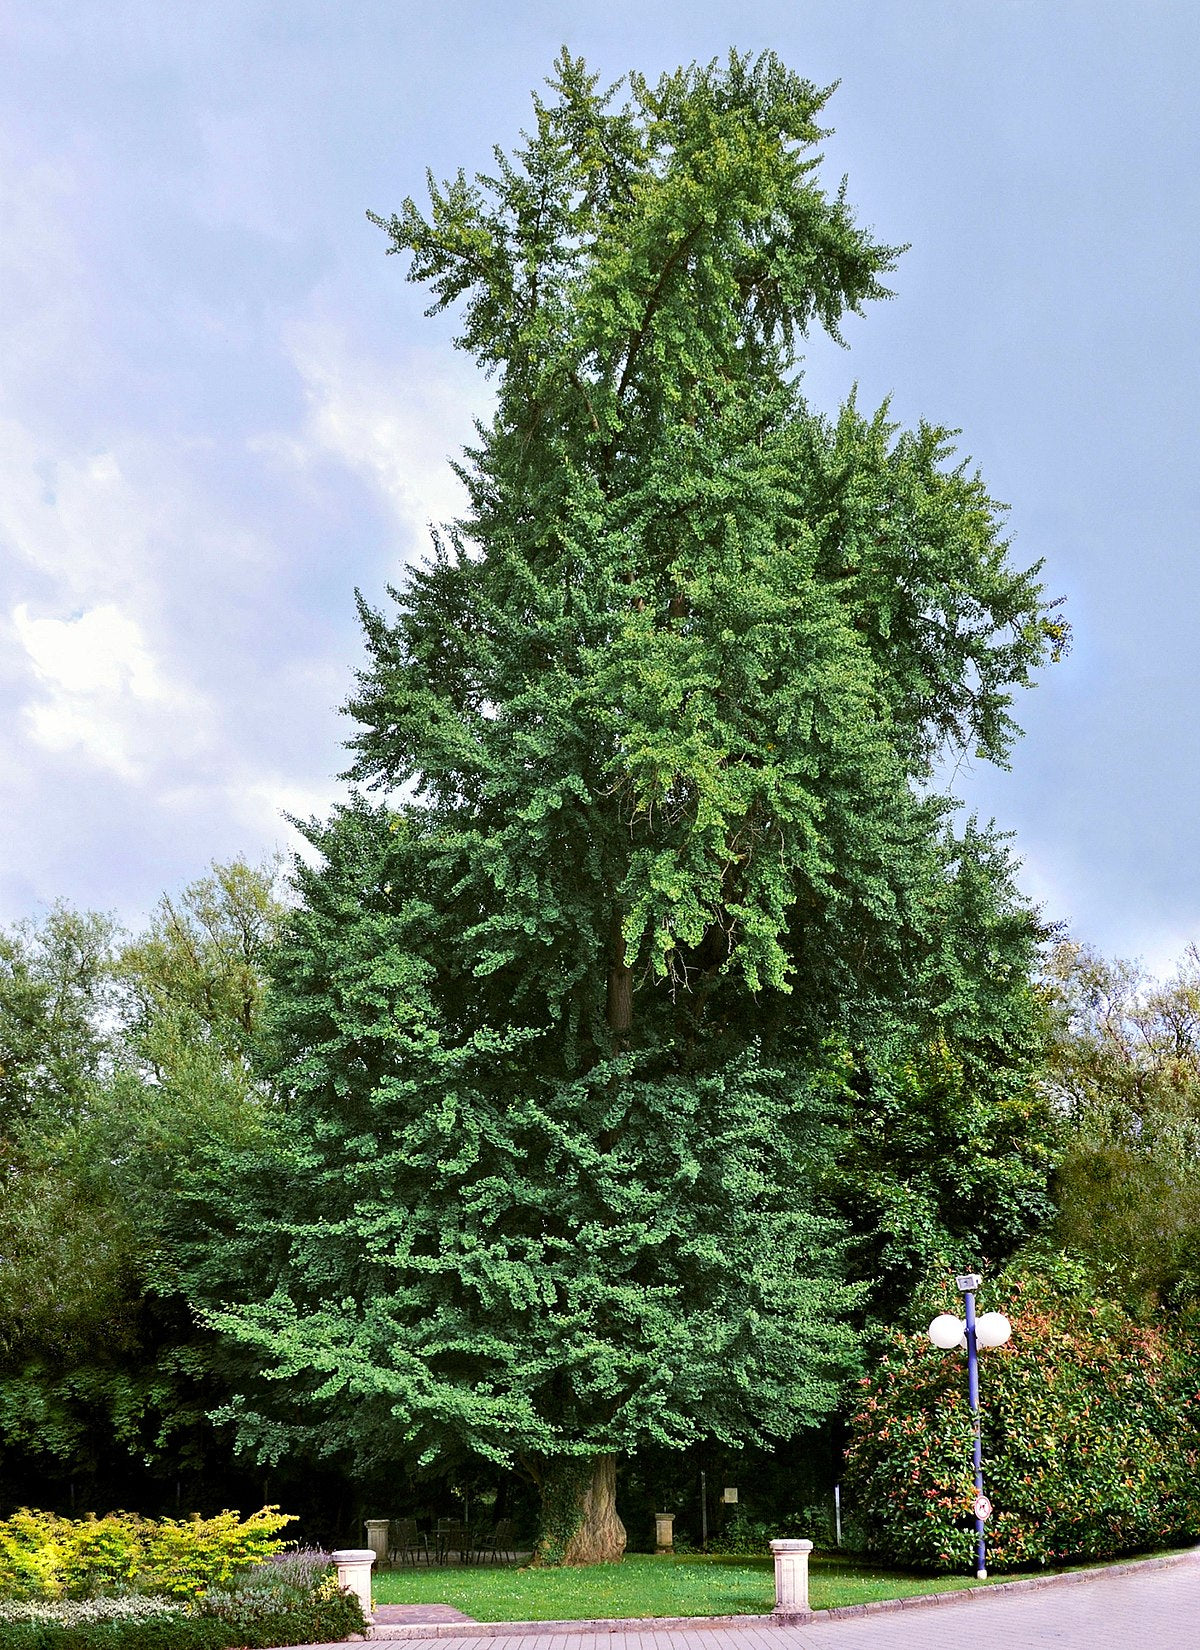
(569, 1018)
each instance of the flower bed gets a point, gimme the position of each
(125, 1583)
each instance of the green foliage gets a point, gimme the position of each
(44, 1556)
(540, 1266)
(1125, 1070)
(743, 1536)
(69, 1250)
(55, 989)
(687, 621)
(952, 1135)
(664, 921)
(194, 982)
(162, 1632)
(1091, 1435)
(290, 1601)
(130, 1054)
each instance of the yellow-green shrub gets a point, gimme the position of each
(30, 1556)
(44, 1556)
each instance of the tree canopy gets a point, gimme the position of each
(688, 620)
(1124, 1068)
(577, 1022)
(123, 1056)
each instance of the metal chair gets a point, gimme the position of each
(405, 1541)
(452, 1537)
(502, 1539)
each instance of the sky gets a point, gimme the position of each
(222, 408)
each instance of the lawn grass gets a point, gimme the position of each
(644, 1586)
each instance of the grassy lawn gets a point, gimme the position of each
(643, 1586)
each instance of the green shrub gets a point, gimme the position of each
(44, 1556)
(1091, 1436)
(163, 1632)
(250, 1621)
(293, 1600)
(743, 1535)
(21, 1635)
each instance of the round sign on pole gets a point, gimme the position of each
(982, 1508)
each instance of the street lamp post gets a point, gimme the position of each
(969, 1283)
(990, 1329)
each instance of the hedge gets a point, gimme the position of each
(293, 1598)
(175, 1632)
(1091, 1435)
(250, 1629)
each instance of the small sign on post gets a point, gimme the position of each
(982, 1508)
(729, 1495)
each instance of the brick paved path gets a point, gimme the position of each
(414, 1615)
(1151, 1609)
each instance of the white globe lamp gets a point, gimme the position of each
(946, 1332)
(992, 1329)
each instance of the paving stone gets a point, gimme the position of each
(417, 1615)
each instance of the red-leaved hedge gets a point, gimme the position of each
(1091, 1434)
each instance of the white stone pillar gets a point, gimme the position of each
(354, 1574)
(664, 1532)
(377, 1539)
(791, 1578)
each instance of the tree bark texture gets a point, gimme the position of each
(580, 1524)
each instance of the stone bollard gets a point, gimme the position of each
(664, 1532)
(354, 1574)
(377, 1539)
(791, 1580)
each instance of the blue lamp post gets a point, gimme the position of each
(990, 1329)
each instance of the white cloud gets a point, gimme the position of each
(265, 802)
(395, 424)
(102, 691)
(171, 649)
(99, 652)
(155, 670)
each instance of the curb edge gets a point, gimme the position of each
(841, 1612)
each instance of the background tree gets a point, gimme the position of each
(567, 1030)
(55, 985)
(950, 1131)
(130, 1054)
(1124, 1071)
(194, 981)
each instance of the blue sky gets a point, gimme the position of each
(222, 407)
